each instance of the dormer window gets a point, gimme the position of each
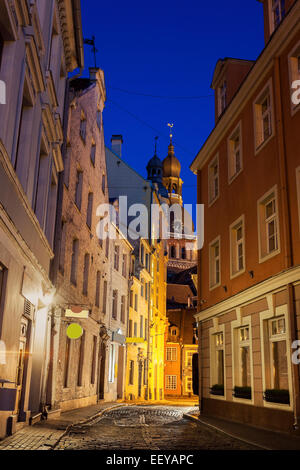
(278, 12)
(222, 98)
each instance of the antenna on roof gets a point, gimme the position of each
(92, 42)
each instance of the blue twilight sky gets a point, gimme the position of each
(166, 48)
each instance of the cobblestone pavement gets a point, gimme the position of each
(147, 427)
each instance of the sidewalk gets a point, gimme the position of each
(45, 434)
(263, 438)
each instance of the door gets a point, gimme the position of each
(21, 367)
(102, 360)
(140, 379)
(120, 372)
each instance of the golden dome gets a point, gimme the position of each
(171, 165)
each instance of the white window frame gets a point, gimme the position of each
(212, 198)
(213, 332)
(272, 313)
(298, 192)
(171, 382)
(232, 173)
(171, 354)
(189, 380)
(264, 254)
(241, 322)
(293, 74)
(212, 260)
(260, 141)
(234, 243)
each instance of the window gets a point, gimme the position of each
(237, 247)
(183, 253)
(142, 288)
(217, 359)
(146, 329)
(243, 357)
(112, 363)
(278, 354)
(189, 384)
(116, 257)
(115, 304)
(131, 372)
(268, 225)
(171, 354)
(263, 117)
(189, 358)
(97, 295)
(215, 263)
(213, 180)
(141, 326)
(93, 154)
(131, 299)
(94, 359)
(277, 12)
(107, 248)
(222, 98)
(89, 212)
(173, 252)
(78, 188)
(135, 329)
(136, 302)
(294, 71)
(130, 329)
(74, 261)
(124, 266)
(83, 128)
(99, 119)
(103, 183)
(235, 153)
(174, 332)
(171, 382)
(80, 360)
(86, 269)
(123, 307)
(104, 297)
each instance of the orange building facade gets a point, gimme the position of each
(249, 268)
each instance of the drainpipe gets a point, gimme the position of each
(286, 216)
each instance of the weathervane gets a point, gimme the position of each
(171, 130)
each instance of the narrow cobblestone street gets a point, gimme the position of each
(147, 427)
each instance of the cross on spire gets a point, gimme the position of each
(171, 125)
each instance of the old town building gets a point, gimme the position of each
(248, 284)
(83, 279)
(138, 323)
(40, 43)
(138, 190)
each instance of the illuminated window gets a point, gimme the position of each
(171, 382)
(171, 354)
(268, 225)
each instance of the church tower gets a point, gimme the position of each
(171, 175)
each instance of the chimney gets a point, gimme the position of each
(116, 144)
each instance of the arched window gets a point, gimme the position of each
(173, 252)
(86, 274)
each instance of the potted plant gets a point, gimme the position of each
(242, 392)
(217, 389)
(277, 396)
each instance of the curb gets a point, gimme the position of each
(85, 421)
(198, 420)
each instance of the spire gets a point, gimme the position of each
(171, 146)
